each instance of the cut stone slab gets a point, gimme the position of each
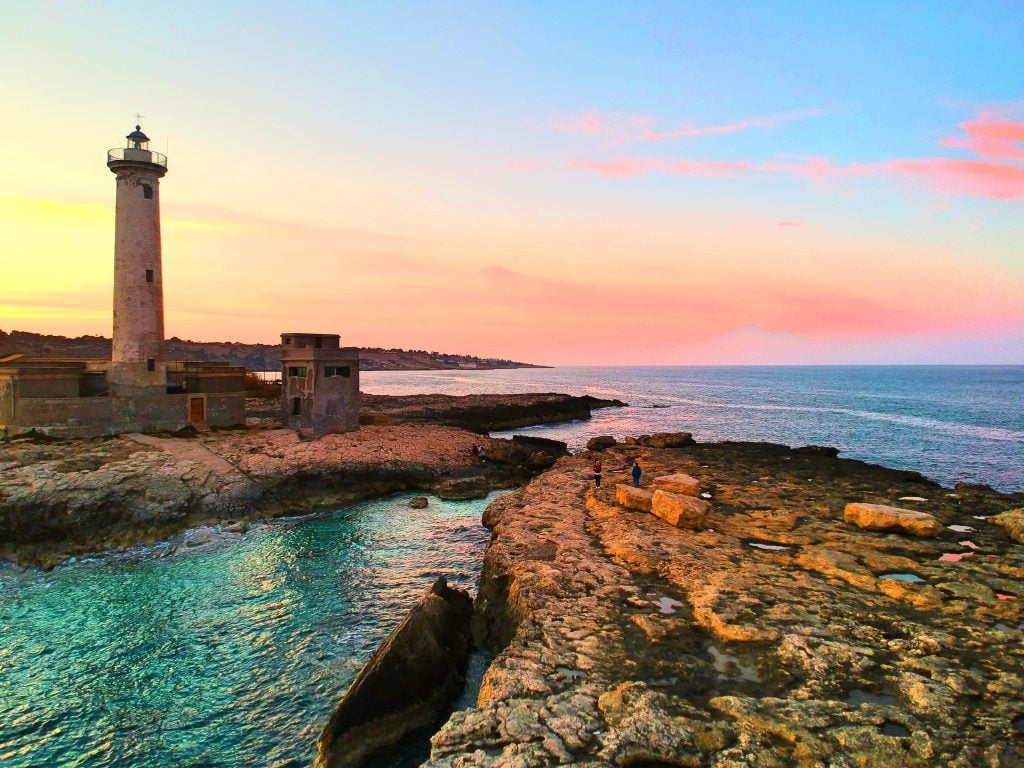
(879, 517)
(681, 484)
(633, 498)
(680, 511)
(1012, 521)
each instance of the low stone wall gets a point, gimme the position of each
(100, 416)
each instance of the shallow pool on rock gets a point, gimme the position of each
(223, 655)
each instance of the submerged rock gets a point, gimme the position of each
(419, 502)
(407, 684)
(879, 517)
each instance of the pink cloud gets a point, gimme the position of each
(997, 173)
(788, 223)
(991, 135)
(610, 124)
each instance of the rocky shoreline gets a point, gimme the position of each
(60, 498)
(778, 635)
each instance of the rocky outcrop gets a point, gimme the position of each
(600, 443)
(881, 517)
(779, 635)
(482, 413)
(670, 440)
(407, 683)
(67, 497)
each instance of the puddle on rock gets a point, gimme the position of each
(912, 498)
(961, 528)
(894, 729)
(768, 546)
(667, 605)
(968, 544)
(910, 578)
(859, 696)
(728, 665)
(955, 557)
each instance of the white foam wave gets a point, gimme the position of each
(955, 429)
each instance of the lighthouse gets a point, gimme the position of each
(137, 363)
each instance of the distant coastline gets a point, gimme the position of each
(255, 357)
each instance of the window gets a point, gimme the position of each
(297, 370)
(149, 275)
(287, 339)
(337, 370)
(147, 191)
(318, 343)
(151, 364)
(296, 406)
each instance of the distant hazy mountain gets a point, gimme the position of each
(255, 357)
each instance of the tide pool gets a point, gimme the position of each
(224, 655)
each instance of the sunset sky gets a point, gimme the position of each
(564, 183)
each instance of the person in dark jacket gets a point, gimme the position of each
(637, 471)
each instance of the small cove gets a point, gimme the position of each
(227, 654)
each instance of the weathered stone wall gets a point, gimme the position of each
(97, 416)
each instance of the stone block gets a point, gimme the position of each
(1012, 521)
(879, 517)
(679, 483)
(680, 511)
(633, 498)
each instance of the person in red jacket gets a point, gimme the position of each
(597, 474)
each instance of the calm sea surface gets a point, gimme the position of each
(225, 655)
(951, 423)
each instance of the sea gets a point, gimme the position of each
(221, 650)
(951, 423)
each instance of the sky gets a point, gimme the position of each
(561, 183)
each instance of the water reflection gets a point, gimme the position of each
(227, 654)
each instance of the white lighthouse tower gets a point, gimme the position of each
(137, 365)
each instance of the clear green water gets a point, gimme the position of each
(227, 654)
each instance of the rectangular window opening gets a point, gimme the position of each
(296, 406)
(287, 339)
(149, 275)
(318, 343)
(337, 370)
(147, 191)
(297, 370)
(151, 364)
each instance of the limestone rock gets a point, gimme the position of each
(418, 502)
(670, 439)
(407, 682)
(463, 488)
(680, 511)
(880, 517)
(680, 483)
(633, 498)
(600, 443)
(1012, 522)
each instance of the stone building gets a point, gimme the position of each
(320, 378)
(137, 390)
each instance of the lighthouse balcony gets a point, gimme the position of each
(134, 155)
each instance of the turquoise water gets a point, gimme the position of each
(223, 655)
(951, 423)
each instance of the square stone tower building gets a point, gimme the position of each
(320, 379)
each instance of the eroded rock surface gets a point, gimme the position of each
(67, 497)
(882, 517)
(622, 641)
